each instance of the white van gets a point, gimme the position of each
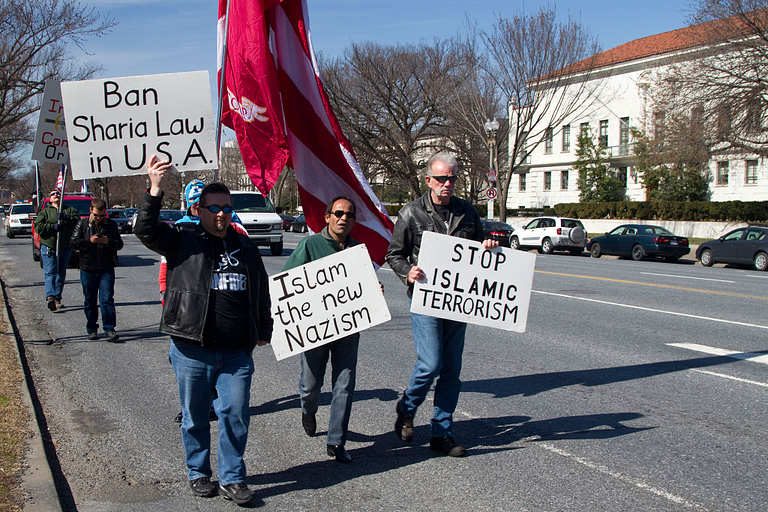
(258, 215)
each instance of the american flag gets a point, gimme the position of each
(271, 75)
(60, 179)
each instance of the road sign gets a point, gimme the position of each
(492, 175)
(51, 138)
(491, 193)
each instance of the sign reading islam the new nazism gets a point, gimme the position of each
(51, 138)
(325, 300)
(470, 284)
(114, 125)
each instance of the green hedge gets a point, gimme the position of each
(728, 211)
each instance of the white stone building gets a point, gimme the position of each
(547, 177)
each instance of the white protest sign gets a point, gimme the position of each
(51, 138)
(469, 284)
(115, 124)
(325, 300)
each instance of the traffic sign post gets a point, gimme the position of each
(491, 194)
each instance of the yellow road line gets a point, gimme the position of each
(623, 281)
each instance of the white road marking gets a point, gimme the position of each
(732, 322)
(747, 381)
(746, 356)
(598, 467)
(688, 277)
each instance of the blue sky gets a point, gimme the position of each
(180, 35)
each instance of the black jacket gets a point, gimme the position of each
(419, 216)
(191, 257)
(96, 256)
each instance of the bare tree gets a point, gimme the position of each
(35, 39)
(391, 102)
(724, 82)
(546, 71)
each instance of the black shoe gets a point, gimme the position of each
(212, 415)
(178, 418)
(112, 336)
(202, 487)
(239, 493)
(339, 452)
(51, 303)
(309, 423)
(92, 335)
(403, 425)
(448, 446)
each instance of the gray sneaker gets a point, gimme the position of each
(111, 335)
(92, 335)
(239, 493)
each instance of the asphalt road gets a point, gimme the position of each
(592, 409)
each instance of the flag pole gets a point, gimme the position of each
(221, 90)
(61, 208)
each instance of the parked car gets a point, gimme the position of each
(170, 216)
(129, 212)
(299, 224)
(499, 231)
(639, 241)
(78, 201)
(745, 246)
(287, 221)
(548, 234)
(121, 219)
(19, 219)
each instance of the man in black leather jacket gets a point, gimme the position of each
(217, 309)
(97, 238)
(439, 343)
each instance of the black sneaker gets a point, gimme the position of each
(403, 425)
(202, 487)
(51, 303)
(92, 335)
(178, 418)
(239, 493)
(111, 335)
(448, 446)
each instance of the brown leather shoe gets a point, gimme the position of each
(403, 425)
(448, 446)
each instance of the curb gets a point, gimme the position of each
(37, 479)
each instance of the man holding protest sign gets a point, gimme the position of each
(439, 342)
(340, 219)
(217, 310)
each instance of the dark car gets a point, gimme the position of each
(299, 224)
(122, 220)
(170, 216)
(744, 246)
(499, 231)
(639, 241)
(130, 211)
(287, 221)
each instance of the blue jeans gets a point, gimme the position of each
(439, 350)
(55, 270)
(99, 289)
(343, 372)
(199, 371)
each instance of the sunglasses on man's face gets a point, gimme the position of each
(443, 179)
(54, 195)
(214, 208)
(340, 213)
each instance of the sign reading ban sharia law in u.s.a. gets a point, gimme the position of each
(51, 138)
(114, 125)
(325, 300)
(469, 284)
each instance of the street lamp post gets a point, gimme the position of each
(183, 197)
(491, 129)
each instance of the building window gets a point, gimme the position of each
(564, 180)
(548, 140)
(548, 180)
(658, 125)
(566, 138)
(751, 175)
(722, 173)
(621, 175)
(624, 136)
(583, 128)
(723, 122)
(522, 182)
(754, 116)
(603, 138)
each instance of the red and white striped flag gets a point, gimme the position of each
(271, 70)
(60, 179)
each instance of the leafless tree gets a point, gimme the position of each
(391, 103)
(723, 84)
(35, 41)
(546, 71)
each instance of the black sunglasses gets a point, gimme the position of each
(340, 213)
(443, 179)
(214, 208)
